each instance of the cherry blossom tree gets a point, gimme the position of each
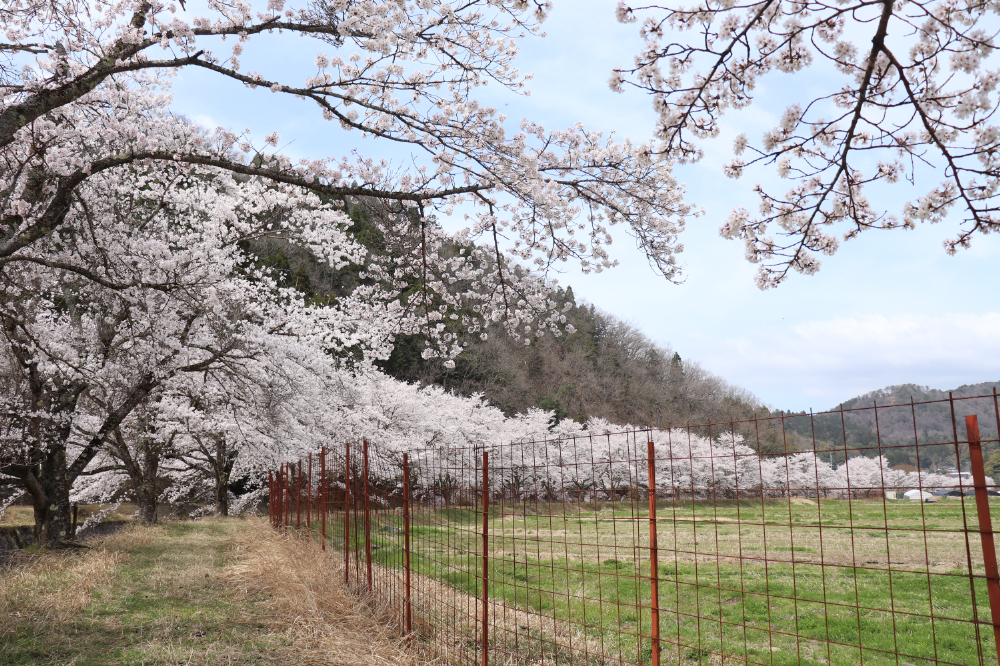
(608, 461)
(228, 427)
(137, 449)
(145, 280)
(898, 91)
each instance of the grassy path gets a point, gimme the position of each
(220, 592)
(144, 596)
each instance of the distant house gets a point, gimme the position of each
(894, 494)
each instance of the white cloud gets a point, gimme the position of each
(204, 120)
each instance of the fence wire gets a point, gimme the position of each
(858, 536)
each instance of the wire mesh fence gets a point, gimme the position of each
(848, 537)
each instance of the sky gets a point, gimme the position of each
(889, 308)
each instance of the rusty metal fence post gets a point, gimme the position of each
(486, 570)
(985, 525)
(287, 501)
(654, 574)
(298, 498)
(309, 495)
(368, 516)
(347, 512)
(322, 494)
(406, 544)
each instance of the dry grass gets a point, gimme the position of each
(46, 589)
(131, 537)
(304, 592)
(143, 595)
(204, 592)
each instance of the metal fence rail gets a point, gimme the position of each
(779, 540)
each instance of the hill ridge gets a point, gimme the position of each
(899, 393)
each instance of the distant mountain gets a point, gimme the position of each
(885, 422)
(607, 368)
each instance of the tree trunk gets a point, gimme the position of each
(49, 493)
(44, 513)
(147, 504)
(146, 490)
(222, 467)
(222, 495)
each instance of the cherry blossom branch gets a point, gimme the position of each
(935, 107)
(878, 44)
(61, 201)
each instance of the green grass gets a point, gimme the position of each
(589, 570)
(160, 600)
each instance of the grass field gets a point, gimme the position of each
(778, 582)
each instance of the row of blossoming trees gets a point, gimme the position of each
(142, 343)
(602, 461)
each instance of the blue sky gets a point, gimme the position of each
(888, 308)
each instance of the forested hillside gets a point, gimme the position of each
(605, 368)
(900, 425)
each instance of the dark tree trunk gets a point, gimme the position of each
(146, 491)
(148, 512)
(222, 496)
(222, 467)
(49, 491)
(143, 467)
(147, 504)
